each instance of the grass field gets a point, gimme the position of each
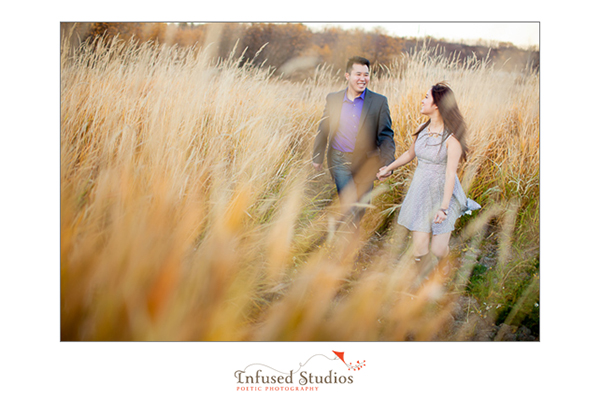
(190, 209)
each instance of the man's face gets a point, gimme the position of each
(358, 78)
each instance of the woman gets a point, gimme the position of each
(435, 198)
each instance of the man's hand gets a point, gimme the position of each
(317, 166)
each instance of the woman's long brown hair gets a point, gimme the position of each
(454, 123)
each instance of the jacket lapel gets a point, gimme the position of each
(365, 109)
(336, 111)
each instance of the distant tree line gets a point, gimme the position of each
(278, 44)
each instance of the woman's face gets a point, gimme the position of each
(427, 106)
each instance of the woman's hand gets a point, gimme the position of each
(440, 217)
(383, 173)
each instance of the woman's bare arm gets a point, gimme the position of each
(454, 152)
(405, 158)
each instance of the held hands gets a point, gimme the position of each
(383, 173)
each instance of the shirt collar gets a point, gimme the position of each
(362, 96)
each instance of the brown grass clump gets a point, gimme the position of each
(189, 209)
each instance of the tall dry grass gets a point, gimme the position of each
(189, 209)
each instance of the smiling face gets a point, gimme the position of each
(358, 79)
(427, 105)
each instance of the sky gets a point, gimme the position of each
(522, 34)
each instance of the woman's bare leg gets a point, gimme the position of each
(421, 243)
(439, 245)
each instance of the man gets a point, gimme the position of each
(358, 128)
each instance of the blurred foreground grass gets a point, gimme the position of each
(189, 209)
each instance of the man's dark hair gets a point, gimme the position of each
(357, 60)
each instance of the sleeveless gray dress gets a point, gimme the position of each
(426, 191)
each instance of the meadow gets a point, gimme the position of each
(190, 210)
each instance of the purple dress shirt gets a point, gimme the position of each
(345, 136)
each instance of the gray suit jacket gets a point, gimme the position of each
(375, 145)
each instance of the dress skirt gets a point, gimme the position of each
(425, 194)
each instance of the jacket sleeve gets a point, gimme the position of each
(385, 136)
(322, 136)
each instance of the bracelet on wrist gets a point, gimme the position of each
(444, 210)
